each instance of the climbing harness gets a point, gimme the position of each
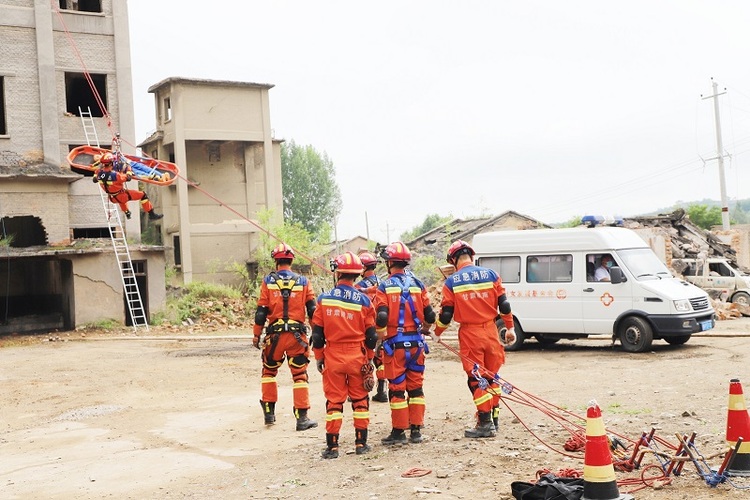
(406, 340)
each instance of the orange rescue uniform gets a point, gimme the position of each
(402, 307)
(113, 183)
(344, 337)
(284, 338)
(471, 296)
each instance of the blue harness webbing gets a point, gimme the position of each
(403, 339)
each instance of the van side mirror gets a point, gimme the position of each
(616, 275)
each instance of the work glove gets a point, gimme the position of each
(321, 364)
(256, 342)
(129, 177)
(508, 335)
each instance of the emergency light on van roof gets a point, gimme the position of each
(601, 220)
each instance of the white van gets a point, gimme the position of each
(549, 278)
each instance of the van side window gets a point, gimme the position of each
(549, 268)
(509, 268)
(602, 262)
(719, 268)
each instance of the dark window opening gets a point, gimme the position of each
(141, 281)
(23, 231)
(177, 252)
(3, 126)
(90, 232)
(71, 147)
(167, 109)
(38, 296)
(81, 5)
(78, 93)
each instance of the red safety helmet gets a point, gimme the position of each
(347, 263)
(368, 259)
(282, 251)
(397, 251)
(107, 159)
(457, 248)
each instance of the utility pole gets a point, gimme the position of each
(720, 156)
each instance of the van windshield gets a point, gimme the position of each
(644, 264)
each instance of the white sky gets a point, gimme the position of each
(550, 108)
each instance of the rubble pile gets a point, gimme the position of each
(687, 239)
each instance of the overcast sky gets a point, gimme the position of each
(553, 108)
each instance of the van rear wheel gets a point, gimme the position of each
(635, 334)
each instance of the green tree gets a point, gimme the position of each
(291, 233)
(312, 198)
(704, 216)
(430, 222)
(572, 222)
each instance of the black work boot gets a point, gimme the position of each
(268, 412)
(397, 436)
(381, 396)
(154, 216)
(332, 446)
(127, 214)
(415, 435)
(485, 427)
(495, 417)
(361, 442)
(304, 423)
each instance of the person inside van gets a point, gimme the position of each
(533, 270)
(602, 272)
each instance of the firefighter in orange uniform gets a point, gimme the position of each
(113, 183)
(369, 284)
(284, 298)
(403, 314)
(472, 296)
(343, 339)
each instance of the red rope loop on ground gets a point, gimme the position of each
(577, 442)
(573, 473)
(416, 472)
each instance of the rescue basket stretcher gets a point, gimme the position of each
(150, 170)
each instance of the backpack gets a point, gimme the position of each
(549, 487)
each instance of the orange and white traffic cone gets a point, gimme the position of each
(599, 482)
(738, 426)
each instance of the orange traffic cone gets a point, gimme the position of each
(738, 426)
(599, 481)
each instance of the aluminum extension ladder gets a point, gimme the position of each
(117, 235)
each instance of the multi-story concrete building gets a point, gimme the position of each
(219, 133)
(58, 59)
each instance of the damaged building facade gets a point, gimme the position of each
(57, 265)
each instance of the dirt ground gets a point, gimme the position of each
(123, 416)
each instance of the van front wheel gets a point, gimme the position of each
(635, 334)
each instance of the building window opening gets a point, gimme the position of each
(23, 231)
(90, 232)
(81, 5)
(3, 126)
(167, 109)
(177, 252)
(78, 93)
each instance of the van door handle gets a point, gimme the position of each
(588, 289)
